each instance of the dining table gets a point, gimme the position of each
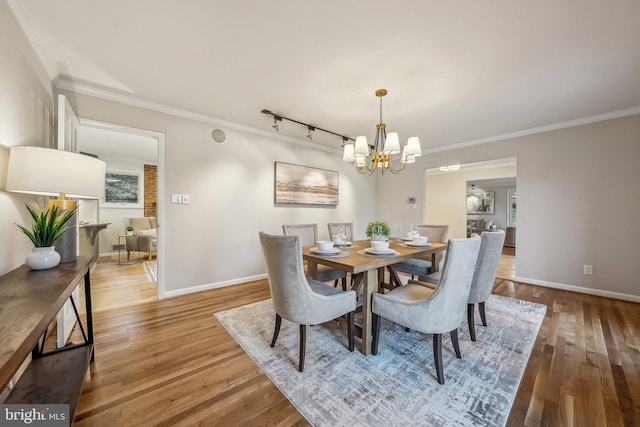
(368, 269)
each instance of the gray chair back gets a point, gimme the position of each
(308, 232)
(486, 266)
(334, 227)
(447, 305)
(435, 233)
(293, 298)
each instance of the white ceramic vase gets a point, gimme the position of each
(43, 258)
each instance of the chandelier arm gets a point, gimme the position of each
(396, 171)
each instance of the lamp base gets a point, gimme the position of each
(66, 245)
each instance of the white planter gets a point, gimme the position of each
(43, 258)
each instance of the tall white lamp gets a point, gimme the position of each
(49, 172)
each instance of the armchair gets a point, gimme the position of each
(144, 237)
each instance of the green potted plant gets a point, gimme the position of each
(46, 228)
(378, 230)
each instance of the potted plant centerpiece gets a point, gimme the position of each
(47, 227)
(378, 230)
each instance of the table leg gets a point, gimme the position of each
(370, 285)
(312, 269)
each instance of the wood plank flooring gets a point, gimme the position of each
(171, 363)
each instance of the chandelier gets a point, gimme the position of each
(368, 158)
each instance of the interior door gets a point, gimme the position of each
(66, 140)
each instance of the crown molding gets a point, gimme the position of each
(161, 108)
(33, 35)
(540, 129)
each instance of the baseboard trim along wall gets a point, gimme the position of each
(579, 289)
(209, 286)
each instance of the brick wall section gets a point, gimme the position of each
(150, 188)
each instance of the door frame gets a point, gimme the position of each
(160, 205)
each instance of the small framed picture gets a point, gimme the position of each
(123, 190)
(479, 203)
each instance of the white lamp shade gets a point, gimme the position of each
(392, 143)
(413, 147)
(50, 172)
(360, 161)
(347, 153)
(361, 148)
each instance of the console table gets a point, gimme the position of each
(29, 301)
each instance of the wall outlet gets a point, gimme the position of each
(176, 198)
(588, 270)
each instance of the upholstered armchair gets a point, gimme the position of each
(484, 277)
(308, 234)
(298, 299)
(144, 235)
(422, 267)
(431, 311)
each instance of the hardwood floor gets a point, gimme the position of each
(171, 363)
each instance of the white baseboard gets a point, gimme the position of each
(209, 286)
(579, 289)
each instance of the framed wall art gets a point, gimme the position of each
(304, 185)
(480, 203)
(123, 190)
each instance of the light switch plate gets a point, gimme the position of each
(176, 198)
(185, 199)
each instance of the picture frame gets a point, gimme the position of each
(123, 190)
(304, 185)
(481, 202)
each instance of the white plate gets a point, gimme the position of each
(373, 252)
(417, 245)
(333, 251)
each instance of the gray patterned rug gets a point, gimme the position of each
(397, 387)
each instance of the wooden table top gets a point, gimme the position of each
(29, 300)
(357, 263)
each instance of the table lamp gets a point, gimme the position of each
(50, 172)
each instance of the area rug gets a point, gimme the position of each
(151, 268)
(398, 386)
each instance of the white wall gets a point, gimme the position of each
(214, 240)
(26, 111)
(576, 203)
(446, 196)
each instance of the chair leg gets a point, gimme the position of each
(471, 321)
(303, 344)
(128, 255)
(376, 333)
(437, 356)
(483, 316)
(344, 283)
(456, 344)
(276, 331)
(335, 283)
(350, 317)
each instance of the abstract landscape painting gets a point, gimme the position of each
(303, 185)
(122, 188)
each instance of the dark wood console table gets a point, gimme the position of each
(29, 301)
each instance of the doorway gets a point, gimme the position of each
(131, 153)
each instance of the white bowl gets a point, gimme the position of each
(324, 245)
(420, 240)
(380, 246)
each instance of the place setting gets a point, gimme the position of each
(326, 248)
(379, 248)
(416, 241)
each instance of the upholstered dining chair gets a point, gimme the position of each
(309, 236)
(484, 276)
(422, 267)
(431, 311)
(298, 299)
(334, 228)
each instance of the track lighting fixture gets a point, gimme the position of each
(310, 128)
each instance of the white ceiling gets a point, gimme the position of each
(456, 72)
(109, 144)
